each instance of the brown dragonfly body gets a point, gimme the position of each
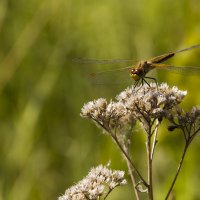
(139, 71)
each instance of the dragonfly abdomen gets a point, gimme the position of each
(162, 58)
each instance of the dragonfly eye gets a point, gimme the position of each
(135, 74)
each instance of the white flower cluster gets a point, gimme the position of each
(100, 181)
(141, 103)
(151, 101)
(108, 115)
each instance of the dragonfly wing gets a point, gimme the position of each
(111, 77)
(189, 70)
(102, 61)
(188, 48)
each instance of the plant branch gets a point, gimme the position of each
(178, 170)
(130, 169)
(129, 160)
(155, 132)
(150, 181)
(109, 191)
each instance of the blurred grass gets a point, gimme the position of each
(45, 145)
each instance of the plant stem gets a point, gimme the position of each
(107, 194)
(178, 170)
(155, 132)
(129, 160)
(130, 169)
(150, 180)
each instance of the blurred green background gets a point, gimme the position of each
(45, 145)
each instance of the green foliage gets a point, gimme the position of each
(45, 145)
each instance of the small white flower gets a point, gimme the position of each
(161, 99)
(116, 110)
(94, 108)
(95, 184)
(143, 103)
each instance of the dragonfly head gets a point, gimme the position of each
(137, 73)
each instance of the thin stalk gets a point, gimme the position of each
(131, 166)
(130, 169)
(150, 179)
(107, 194)
(178, 170)
(129, 160)
(155, 132)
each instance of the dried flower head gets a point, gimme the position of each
(188, 122)
(143, 103)
(94, 109)
(109, 116)
(100, 181)
(151, 101)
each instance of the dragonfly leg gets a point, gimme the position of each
(154, 79)
(143, 80)
(135, 84)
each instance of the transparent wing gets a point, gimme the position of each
(112, 77)
(102, 61)
(189, 70)
(188, 48)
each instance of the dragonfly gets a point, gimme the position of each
(139, 71)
